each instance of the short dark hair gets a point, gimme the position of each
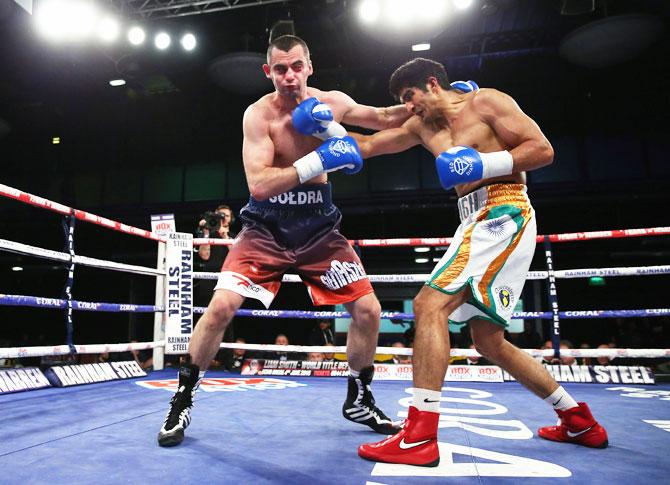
(286, 43)
(415, 73)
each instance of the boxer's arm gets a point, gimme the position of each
(393, 140)
(528, 146)
(264, 180)
(370, 117)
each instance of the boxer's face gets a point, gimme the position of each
(228, 215)
(423, 104)
(289, 71)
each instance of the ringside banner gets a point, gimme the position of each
(26, 379)
(617, 374)
(72, 375)
(178, 292)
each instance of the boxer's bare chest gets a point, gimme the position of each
(466, 130)
(289, 145)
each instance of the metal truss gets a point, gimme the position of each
(180, 8)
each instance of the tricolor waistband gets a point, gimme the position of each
(307, 196)
(491, 195)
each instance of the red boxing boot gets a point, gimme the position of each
(576, 425)
(415, 444)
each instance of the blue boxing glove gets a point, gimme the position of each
(312, 117)
(337, 153)
(464, 164)
(465, 86)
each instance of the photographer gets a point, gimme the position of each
(214, 225)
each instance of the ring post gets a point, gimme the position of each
(553, 300)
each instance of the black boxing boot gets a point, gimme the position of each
(360, 405)
(179, 415)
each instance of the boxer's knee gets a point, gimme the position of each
(366, 312)
(220, 311)
(430, 303)
(489, 345)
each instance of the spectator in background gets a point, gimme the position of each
(329, 356)
(603, 360)
(401, 359)
(322, 334)
(143, 357)
(280, 339)
(315, 357)
(238, 356)
(565, 360)
(584, 360)
(529, 338)
(546, 359)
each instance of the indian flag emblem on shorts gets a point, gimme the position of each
(505, 296)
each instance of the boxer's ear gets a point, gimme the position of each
(266, 70)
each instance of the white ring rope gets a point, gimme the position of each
(20, 248)
(18, 352)
(532, 275)
(612, 353)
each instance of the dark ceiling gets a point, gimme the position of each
(39, 79)
(172, 112)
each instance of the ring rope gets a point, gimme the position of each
(612, 353)
(20, 248)
(532, 275)
(445, 241)
(38, 201)
(19, 352)
(41, 302)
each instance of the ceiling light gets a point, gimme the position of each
(188, 42)
(421, 260)
(421, 47)
(462, 4)
(65, 20)
(108, 29)
(117, 82)
(17, 268)
(136, 35)
(421, 249)
(369, 11)
(162, 41)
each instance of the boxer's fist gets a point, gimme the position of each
(462, 164)
(312, 117)
(337, 153)
(465, 86)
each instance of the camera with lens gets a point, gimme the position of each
(213, 222)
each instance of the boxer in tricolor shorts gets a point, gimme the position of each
(490, 253)
(292, 139)
(483, 144)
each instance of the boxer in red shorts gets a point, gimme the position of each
(290, 222)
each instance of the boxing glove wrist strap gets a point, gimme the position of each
(496, 164)
(333, 129)
(308, 166)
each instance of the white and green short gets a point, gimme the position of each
(490, 253)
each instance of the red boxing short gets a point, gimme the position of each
(296, 230)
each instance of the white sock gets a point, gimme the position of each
(354, 373)
(561, 400)
(201, 374)
(427, 400)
